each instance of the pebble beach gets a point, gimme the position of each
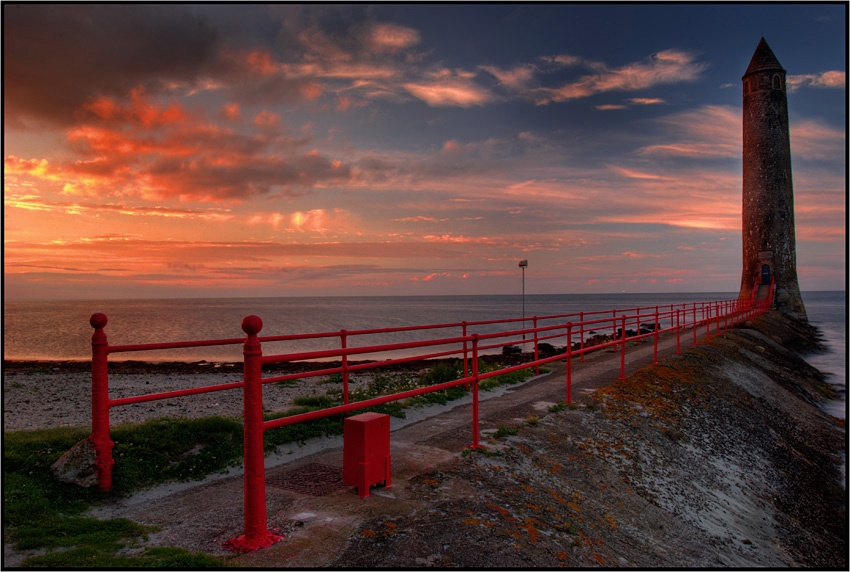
(40, 395)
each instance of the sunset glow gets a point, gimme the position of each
(288, 150)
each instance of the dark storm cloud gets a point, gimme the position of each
(56, 57)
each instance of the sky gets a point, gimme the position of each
(213, 150)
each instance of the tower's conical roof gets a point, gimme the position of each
(763, 59)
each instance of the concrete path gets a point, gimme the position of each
(202, 516)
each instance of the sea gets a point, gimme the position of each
(60, 329)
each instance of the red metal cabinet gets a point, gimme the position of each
(366, 451)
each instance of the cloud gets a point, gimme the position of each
(669, 66)
(516, 79)
(708, 131)
(811, 139)
(136, 147)
(315, 220)
(449, 89)
(829, 79)
(391, 38)
(34, 203)
(121, 47)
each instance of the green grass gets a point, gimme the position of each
(91, 557)
(504, 430)
(510, 378)
(42, 513)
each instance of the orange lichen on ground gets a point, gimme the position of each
(500, 509)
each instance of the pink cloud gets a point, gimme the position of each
(811, 139)
(158, 152)
(710, 131)
(829, 79)
(454, 91)
(391, 38)
(231, 112)
(266, 118)
(669, 66)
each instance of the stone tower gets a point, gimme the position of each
(768, 196)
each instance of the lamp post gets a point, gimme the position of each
(523, 264)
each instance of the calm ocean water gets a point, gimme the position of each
(56, 330)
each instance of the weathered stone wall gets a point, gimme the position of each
(768, 197)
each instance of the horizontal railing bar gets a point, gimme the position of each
(173, 345)
(403, 360)
(361, 350)
(169, 394)
(303, 374)
(284, 421)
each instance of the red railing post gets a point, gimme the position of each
(536, 353)
(465, 356)
(475, 444)
(717, 317)
(623, 350)
(655, 349)
(613, 325)
(696, 325)
(256, 534)
(707, 322)
(103, 461)
(570, 362)
(343, 337)
(677, 332)
(637, 322)
(581, 324)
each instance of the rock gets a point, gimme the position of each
(77, 466)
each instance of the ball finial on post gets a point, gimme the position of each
(252, 325)
(98, 320)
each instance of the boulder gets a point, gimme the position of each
(77, 465)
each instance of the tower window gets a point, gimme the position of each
(746, 86)
(776, 83)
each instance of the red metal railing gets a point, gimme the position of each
(469, 345)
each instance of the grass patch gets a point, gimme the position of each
(42, 513)
(317, 401)
(160, 450)
(90, 557)
(481, 451)
(510, 378)
(505, 431)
